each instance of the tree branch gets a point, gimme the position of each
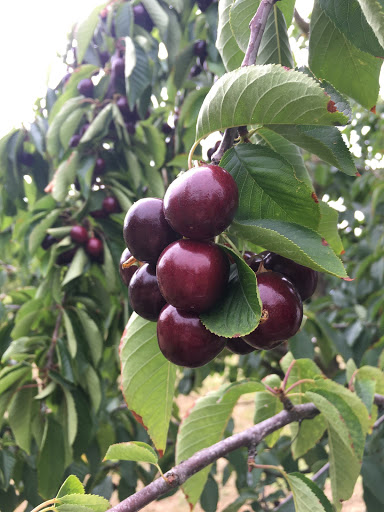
(257, 27)
(302, 24)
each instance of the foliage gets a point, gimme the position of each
(81, 402)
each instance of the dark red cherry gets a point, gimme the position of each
(99, 168)
(195, 70)
(111, 205)
(79, 235)
(203, 4)
(184, 340)
(166, 129)
(144, 293)
(282, 311)
(239, 346)
(146, 232)
(95, 249)
(118, 67)
(200, 49)
(303, 278)
(202, 202)
(98, 214)
(253, 260)
(131, 128)
(126, 273)
(48, 241)
(192, 275)
(142, 18)
(66, 257)
(74, 140)
(86, 87)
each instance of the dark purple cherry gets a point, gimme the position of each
(202, 202)
(95, 249)
(48, 241)
(200, 49)
(74, 140)
(142, 18)
(303, 278)
(184, 340)
(126, 273)
(86, 87)
(144, 293)
(104, 57)
(66, 257)
(99, 168)
(146, 232)
(79, 235)
(239, 346)
(83, 129)
(282, 311)
(131, 128)
(98, 214)
(111, 205)
(203, 4)
(26, 159)
(195, 70)
(123, 106)
(118, 67)
(192, 275)
(166, 129)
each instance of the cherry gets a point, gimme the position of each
(95, 249)
(111, 205)
(239, 346)
(144, 293)
(99, 166)
(123, 106)
(98, 214)
(131, 128)
(118, 67)
(303, 278)
(166, 129)
(83, 129)
(74, 140)
(79, 235)
(192, 275)
(66, 257)
(253, 260)
(203, 4)
(142, 18)
(26, 159)
(282, 311)
(202, 202)
(195, 70)
(146, 232)
(200, 49)
(104, 57)
(48, 241)
(126, 273)
(86, 87)
(184, 340)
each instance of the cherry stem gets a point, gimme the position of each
(55, 335)
(351, 387)
(271, 390)
(287, 374)
(45, 504)
(298, 383)
(129, 262)
(229, 242)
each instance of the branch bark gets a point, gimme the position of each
(302, 24)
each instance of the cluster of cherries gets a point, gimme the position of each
(172, 280)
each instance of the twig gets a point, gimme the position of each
(55, 335)
(302, 24)
(379, 400)
(257, 27)
(378, 422)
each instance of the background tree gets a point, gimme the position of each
(140, 92)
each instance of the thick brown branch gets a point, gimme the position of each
(179, 474)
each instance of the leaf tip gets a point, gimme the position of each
(373, 109)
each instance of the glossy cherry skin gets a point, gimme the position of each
(303, 278)
(123, 106)
(239, 346)
(86, 87)
(74, 140)
(144, 293)
(79, 235)
(48, 241)
(146, 232)
(184, 340)
(95, 249)
(282, 311)
(126, 273)
(142, 17)
(111, 205)
(253, 260)
(118, 67)
(202, 202)
(192, 275)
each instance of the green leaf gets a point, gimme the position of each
(92, 335)
(70, 126)
(71, 485)
(71, 416)
(65, 176)
(368, 381)
(264, 95)
(274, 45)
(266, 406)
(50, 463)
(76, 267)
(204, 426)
(20, 414)
(130, 54)
(295, 242)
(39, 232)
(374, 13)
(124, 20)
(71, 336)
(99, 126)
(133, 450)
(148, 379)
(15, 374)
(84, 173)
(349, 19)
(226, 43)
(268, 187)
(324, 141)
(86, 30)
(53, 133)
(239, 311)
(306, 435)
(191, 107)
(59, 232)
(307, 496)
(334, 58)
(183, 64)
(109, 268)
(94, 387)
(328, 227)
(140, 77)
(157, 15)
(155, 143)
(89, 501)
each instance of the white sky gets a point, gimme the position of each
(31, 35)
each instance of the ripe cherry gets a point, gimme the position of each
(126, 273)
(282, 311)
(144, 293)
(192, 275)
(203, 4)
(79, 235)
(98, 214)
(86, 87)
(303, 278)
(66, 257)
(142, 18)
(83, 129)
(146, 232)
(99, 168)
(74, 140)
(239, 346)
(123, 106)
(195, 71)
(118, 67)
(111, 205)
(48, 241)
(202, 202)
(184, 340)
(200, 49)
(253, 260)
(95, 249)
